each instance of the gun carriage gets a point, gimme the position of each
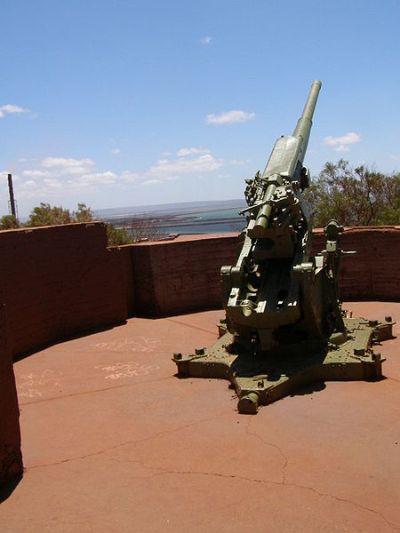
(284, 325)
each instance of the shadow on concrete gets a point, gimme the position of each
(318, 386)
(373, 379)
(156, 315)
(64, 338)
(321, 385)
(8, 488)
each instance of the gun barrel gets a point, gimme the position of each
(304, 123)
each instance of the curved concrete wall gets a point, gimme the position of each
(183, 275)
(373, 272)
(55, 282)
(63, 280)
(10, 439)
(59, 281)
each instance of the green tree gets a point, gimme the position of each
(83, 214)
(9, 222)
(46, 215)
(355, 196)
(117, 236)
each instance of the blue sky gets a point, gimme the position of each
(123, 102)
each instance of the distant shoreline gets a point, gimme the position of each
(186, 218)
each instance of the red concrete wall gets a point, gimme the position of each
(60, 281)
(182, 275)
(10, 439)
(373, 272)
(63, 280)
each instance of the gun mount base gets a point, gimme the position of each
(263, 379)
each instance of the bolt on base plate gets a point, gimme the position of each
(260, 380)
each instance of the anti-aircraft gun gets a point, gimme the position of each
(284, 324)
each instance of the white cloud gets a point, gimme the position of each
(62, 166)
(183, 152)
(129, 177)
(65, 162)
(53, 179)
(238, 162)
(170, 168)
(99, 178)
(116, 151)
(53, 183)
(151, 182)
(35, 173)
(11, 109)
(395, 157)
(30, 184)
(206, 40)
(341, 144)
(230, 117)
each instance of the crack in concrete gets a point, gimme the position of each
(197, 328)
(163, 471)
(121, 445)
(94, 391)
(392, 379)
(271, 445)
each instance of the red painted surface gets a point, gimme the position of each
(63, 281)
(60, 281)
(373, 272)
(178, 276)
(119, 444)
(10, 440)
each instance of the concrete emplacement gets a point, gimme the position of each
(269, 377)
(112, 441)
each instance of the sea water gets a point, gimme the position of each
(182, 218)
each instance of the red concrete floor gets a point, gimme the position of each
(113, 442)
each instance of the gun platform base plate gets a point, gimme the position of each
(265, 378)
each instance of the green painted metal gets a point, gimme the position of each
(284, 324)
(263, 380)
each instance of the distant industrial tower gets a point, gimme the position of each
(12, 199)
